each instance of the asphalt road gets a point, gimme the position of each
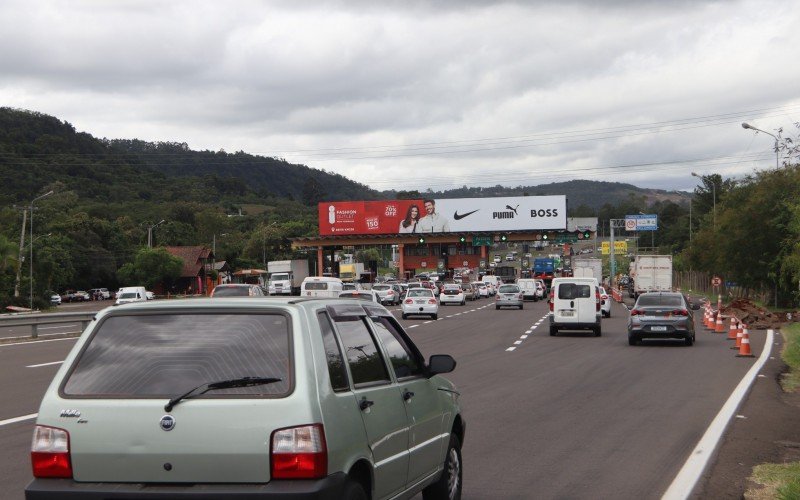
(571, 416)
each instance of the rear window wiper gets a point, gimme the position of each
(222, 384)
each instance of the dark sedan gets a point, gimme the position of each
(661, 315)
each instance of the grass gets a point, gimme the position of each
(781, 481)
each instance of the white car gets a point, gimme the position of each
(55, 300)
(483, 290)
(452, 294)
(150, 295)
(420, 301)
(605, 303)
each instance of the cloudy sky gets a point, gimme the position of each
(423, 94)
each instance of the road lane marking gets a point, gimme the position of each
(695, 465)
(44, 364)
(18, 419)
(510, 348)
(37, 341)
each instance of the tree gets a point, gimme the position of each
(150, 267)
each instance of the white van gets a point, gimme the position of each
(575, 305)
(320, 286)
(528, 288)
(131, 294)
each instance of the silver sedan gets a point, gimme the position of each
(508, 295)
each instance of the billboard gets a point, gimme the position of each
(454, 215)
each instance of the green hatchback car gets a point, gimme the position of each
(231, 398)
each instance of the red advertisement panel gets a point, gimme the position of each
(368, 217)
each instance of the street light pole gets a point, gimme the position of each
(713, 197)
(150, 233)
(777, 152)
(31, 238)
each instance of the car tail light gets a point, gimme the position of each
(431, 301)
(551, 299)
(299, 453)
(409, 301)
(597, 300)
(636, 312)
(390, 293)
(680, 312)
(50, 452)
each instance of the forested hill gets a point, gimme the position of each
(38, 150)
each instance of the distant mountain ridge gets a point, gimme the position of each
(37, 149)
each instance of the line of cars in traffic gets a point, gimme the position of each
(139, 293)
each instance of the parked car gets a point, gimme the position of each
(508, 296)
(99, 294)
(452, 294)
(311, 398)
(388, 292)
(55, 300)
(661, 315)
(420, 301)
(605, 303)
(151, 296)
(235, 290)
(81, 296)
(497, 259)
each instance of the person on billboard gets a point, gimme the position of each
(409, 224)
(432, 222)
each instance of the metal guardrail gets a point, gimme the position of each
(35, 320)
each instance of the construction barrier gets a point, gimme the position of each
(744, 348)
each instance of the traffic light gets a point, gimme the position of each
(545, 236)
(462, 239)
(587, 234)
(503, 237)
(421, 240)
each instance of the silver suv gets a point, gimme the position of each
(231, 398)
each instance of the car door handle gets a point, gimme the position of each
(365, 403)
(407, 395)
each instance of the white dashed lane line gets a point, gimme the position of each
(527, 333)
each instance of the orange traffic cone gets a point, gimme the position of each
(732, 329)
(707, 319)
(719, 302)
(739, 335)
(720, 327)
(744, 349)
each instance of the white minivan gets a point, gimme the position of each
(131, 294)
(321, 286)
(575, 305)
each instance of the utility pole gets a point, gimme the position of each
(20, 256)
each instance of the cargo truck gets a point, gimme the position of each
(349, 273)
(286, 276)
(544, 268)
(588, 268)
(651, 273)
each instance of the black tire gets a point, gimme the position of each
(448, 486)
(520, 307)
(434, 317)
(688, 341)
(597, 331)
(405, 316)
(631, 341)
(497, 307)
(553, 331)
(353, 491)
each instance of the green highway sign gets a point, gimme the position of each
(478, 241)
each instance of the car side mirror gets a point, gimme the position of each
(441, 363)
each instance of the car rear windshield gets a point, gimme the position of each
(315, 285)
(381, 287)
(508, 289)
(232, 291)
(416, 292)
(161, 355)
(571, 291)
(660, 300)
(129, 295)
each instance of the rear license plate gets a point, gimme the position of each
(658, 328)
(419, 301)
(567, 314)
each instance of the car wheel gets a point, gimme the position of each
(520, 307)
(631, 341)
(449, 484)
(497, 307)
(689, 341)
(597, 331)
(463, 302)
(353, 491)
(608, 314)
(405, 316)
(553, 331)
(434, 317)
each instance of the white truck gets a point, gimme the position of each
(286, 276)
(651, 273)
(588, 268)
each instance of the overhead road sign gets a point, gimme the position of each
(641, 222)
(478, 241)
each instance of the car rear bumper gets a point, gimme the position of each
(671, 333)
(564, 325)
(330, 487)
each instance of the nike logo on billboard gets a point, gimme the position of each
(456, 215)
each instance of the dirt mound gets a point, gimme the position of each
(757, 318)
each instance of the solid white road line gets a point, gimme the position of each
(18, 419)
(687, 478)
(37, 341)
